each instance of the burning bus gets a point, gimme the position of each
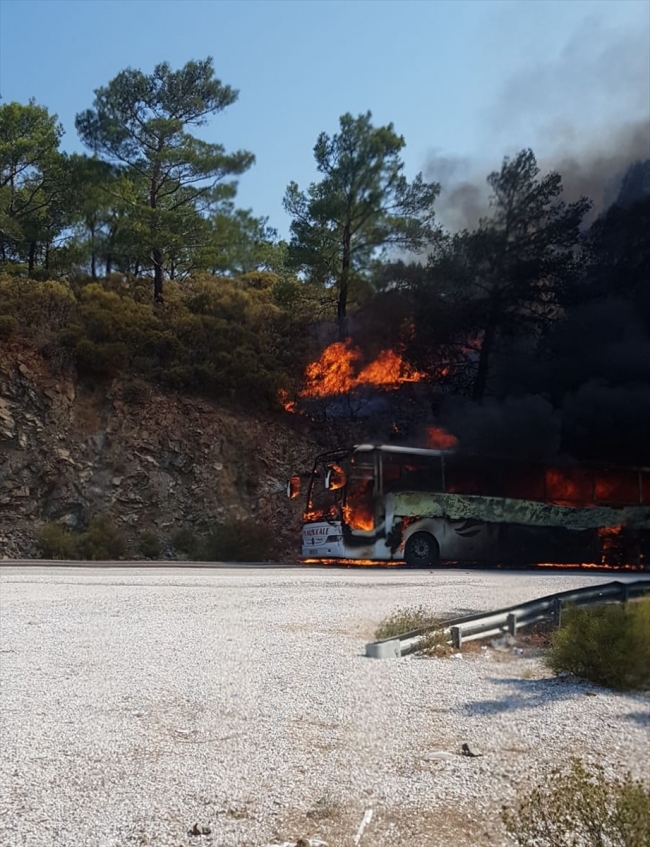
(422, 507)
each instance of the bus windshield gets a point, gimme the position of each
(327, 488)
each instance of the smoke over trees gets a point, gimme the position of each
(567, 369)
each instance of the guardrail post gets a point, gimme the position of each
(557, 612)
(456, 637)
(511, 622)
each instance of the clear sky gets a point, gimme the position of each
(466, 81)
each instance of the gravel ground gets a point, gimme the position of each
(138, 703)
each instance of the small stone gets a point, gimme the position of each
(467, 751)
(438, 756)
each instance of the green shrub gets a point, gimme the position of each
(578, 806)
(149, 545)
(404, 620)
(102, 540)
(238, 541)
(214, 336)
(136, 392)
(185, 541)
(56, 541)
(8, 326)
(105, 359)
(609, 645)
(37, 306)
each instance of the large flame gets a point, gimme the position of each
(339, 370)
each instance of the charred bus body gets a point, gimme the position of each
(382, 503)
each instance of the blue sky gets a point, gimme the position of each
(465, 82)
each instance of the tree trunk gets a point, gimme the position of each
(156, 253)
(480, 383)
(344, 281)
(109, 264)
(32, 256)
(157, 275)
(93, 254)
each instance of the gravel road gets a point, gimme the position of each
(136, 704)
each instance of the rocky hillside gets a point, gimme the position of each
(153, 462)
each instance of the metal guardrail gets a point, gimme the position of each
(511, 619)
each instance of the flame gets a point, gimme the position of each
(338, 370)
(392, 563)
(312, 515)
(439, 439)
(592, 566)
(287, 404)
(612, 546)
(386, 563)
(609, 534)
(359, 516)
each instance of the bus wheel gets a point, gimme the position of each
(422, 551)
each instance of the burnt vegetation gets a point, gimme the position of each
(527, 333)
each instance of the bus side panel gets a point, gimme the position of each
(474, 541)
(522, 545)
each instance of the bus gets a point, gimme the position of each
(380, 503)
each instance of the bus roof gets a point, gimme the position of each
(421, 451)
(392, 448)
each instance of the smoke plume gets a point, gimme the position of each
(584, 113)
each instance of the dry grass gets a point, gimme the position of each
(405, 619)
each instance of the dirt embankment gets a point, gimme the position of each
(70, 449)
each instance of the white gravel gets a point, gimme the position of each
(137, 703)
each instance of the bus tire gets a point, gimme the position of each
(422, 551)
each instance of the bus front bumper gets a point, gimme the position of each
(322, 541)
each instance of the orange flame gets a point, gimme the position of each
(359, 516)
(288, 405)
(338, 370)
(373, 562)
(439, 439)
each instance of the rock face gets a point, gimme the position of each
(152, 461)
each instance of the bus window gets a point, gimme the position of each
(474, 475)
(335, 478)
(570, 485)
(618, 487)
(403, 472)
(524, 481)
(359, 508)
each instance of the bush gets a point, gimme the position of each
(8, 326)
(56, 541)
(185, 541)
(238, 541)
(215, 336)
(136, 392)
(404, 620)
(102, 540)
(577, 806)
(149, 545)
(609, 645)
